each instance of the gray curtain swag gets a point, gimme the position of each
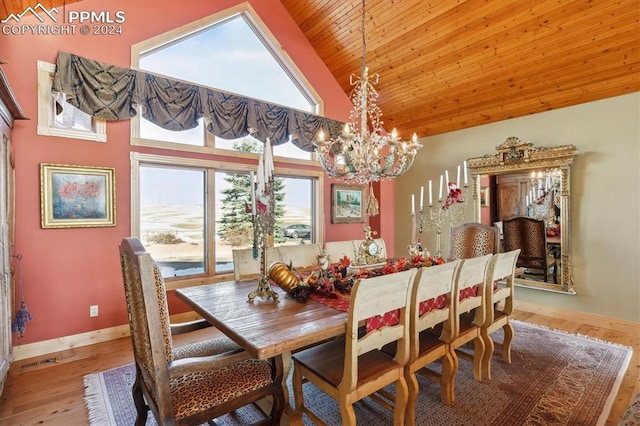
(109, 92)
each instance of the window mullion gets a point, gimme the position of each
(210, 218)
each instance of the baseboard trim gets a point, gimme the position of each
(46, 347)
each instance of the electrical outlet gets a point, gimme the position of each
(93, 310)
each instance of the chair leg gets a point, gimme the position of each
(142, 409)
(449, 369)
(488, 353)
(297, 391)
(454, 372)
(412, 399)
(478, 353)
(348, 414)
(506, 345)
(400, 403)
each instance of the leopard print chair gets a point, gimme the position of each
(192, 384)
(530, 236)
(472, 240)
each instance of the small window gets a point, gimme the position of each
(67, 122)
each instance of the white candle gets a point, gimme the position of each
(253, 192)
(458, 177)
(526, 200)
(268, 160)
(430, 194)
(413, 204)
(446, 181)
(440, 192)
(464, 166)
(261, 182)
(421, 198)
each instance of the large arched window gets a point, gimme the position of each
(190, 212)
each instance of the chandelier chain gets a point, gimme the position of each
(364, 39)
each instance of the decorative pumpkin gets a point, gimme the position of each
(283, 276)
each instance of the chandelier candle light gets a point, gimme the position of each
(362, 154)
(450, 208)
(262, 215)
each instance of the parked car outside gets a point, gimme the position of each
(297, 230)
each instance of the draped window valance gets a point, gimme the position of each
(109, 92)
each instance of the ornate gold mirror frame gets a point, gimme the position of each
(518, 157)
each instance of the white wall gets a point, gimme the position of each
(605, 193)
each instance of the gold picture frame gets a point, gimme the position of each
(347, 203)
(77, 196)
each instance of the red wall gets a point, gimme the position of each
(67, 270)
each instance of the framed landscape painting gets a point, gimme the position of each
(347, 203)
(76, 196)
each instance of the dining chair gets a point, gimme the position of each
(429, 333)
(245, 266)
(339, 249)
(469, 305)
(473, 240)
(191, 384)
(353, 367)
(300, 255)
(499, 301)
(530, 236)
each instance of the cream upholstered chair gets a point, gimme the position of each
(300, 255)
(473, 240)
(530, 236)
(469, 313)
(353, 367)
(499, 296)
(191, 384)
(246, 267)
(339, 249)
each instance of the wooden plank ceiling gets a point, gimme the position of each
(446, 65)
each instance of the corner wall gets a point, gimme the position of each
(605, 194)
(67, 270)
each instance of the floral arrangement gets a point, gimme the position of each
(454, 196)
(339, 280)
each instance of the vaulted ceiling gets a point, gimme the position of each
(451, 64)
(446, 65)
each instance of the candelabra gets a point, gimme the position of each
(448, 210)
(263, 224)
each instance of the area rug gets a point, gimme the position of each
(631, 417)
(554, 378)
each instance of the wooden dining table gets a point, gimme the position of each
(264, 328)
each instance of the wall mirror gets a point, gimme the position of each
(520, 180)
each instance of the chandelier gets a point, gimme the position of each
(362, 153)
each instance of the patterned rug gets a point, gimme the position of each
(555, 378)
(631, 417)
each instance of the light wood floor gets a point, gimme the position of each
(49, 390)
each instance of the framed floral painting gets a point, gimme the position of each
(76, 196)
(347, 203)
